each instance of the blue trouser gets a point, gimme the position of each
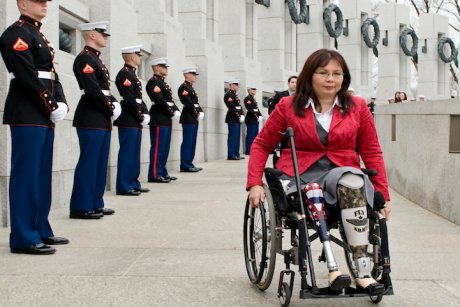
(251, 132)
(160, 140)
(187, 148)
(233, 141)
(30, 184)
(129, 159)
(91, 171)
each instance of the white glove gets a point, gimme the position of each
(241, 119)
(116, 111)
(200, 116)
(146, 120)
(260, 118)
(60, 113)
(176, 115)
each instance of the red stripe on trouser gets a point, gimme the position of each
(155, 153)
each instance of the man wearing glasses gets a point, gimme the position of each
(35, 102)
(96, 111)
(134, 115)
(162, 111)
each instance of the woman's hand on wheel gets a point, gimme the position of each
(386, 211)
(256, 195)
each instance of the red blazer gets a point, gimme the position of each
(354, 131)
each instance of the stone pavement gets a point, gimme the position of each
(181, 245)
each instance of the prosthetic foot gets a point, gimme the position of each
(352, 200)
(315, 206)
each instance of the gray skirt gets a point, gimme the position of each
(328, 181)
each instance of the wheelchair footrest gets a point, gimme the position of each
(326, 292)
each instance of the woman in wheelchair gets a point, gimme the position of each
(332, 131)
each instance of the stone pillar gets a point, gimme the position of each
(202, 49)
(311, 37)
(394, 65)
(433, 73)
(236, 23)
(358, 56)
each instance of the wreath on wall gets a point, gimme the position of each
(453, 50)
(336, 29)
(297, 17)
(265, 3)
(365, 33)
(403, 41)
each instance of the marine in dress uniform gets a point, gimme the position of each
(93, 118)
(253, 117)
(162, 111)
(35, 102)
(133, 116)
(234, 118)
(191, 114)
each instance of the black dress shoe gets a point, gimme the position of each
(160, 180)
(171, 177)
(233, 158)
(143, 190)
(89, 215)
(199, 168)
(37, 249)
(130, 193)
(106, 211)
(241, 158)
(189, 170)
(55, 240)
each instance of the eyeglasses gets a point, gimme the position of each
(335, 75)
(39, 1)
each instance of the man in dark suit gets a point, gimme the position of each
(35, 102)
(292, 83)
(162, 111)
(96, 111)
(191, 114)
(133, 116)
(234, 119)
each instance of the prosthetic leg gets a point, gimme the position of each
(352, 200)
(315, 206)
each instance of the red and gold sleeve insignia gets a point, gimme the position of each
(88, 69)
(20, 45)
(156, 89)
(184, 93)
(127, 83)
(230, 99)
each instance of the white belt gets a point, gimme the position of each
(138, 100)
(170, 103)
(105, 92)
(41, 75)
(196, 105)
(237, 107)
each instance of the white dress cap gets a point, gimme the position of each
(233, 81)
(159, 61)
(100, 26)
(131, 49)
(251, 86)
(192, 70)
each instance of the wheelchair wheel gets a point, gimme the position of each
(259, 241)
(285, 295)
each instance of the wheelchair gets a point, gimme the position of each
(263, 239)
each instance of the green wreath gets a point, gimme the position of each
(336, 30)
(265, 3)
(453, 51)
(365, 32)
(295, 16)
(403, 41)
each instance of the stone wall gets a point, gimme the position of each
(419, 164)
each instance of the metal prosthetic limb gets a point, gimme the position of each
(352, 200)
(315, 206)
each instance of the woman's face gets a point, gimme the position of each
(327, 80)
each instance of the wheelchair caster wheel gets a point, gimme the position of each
(285, 294)
(376, 299)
